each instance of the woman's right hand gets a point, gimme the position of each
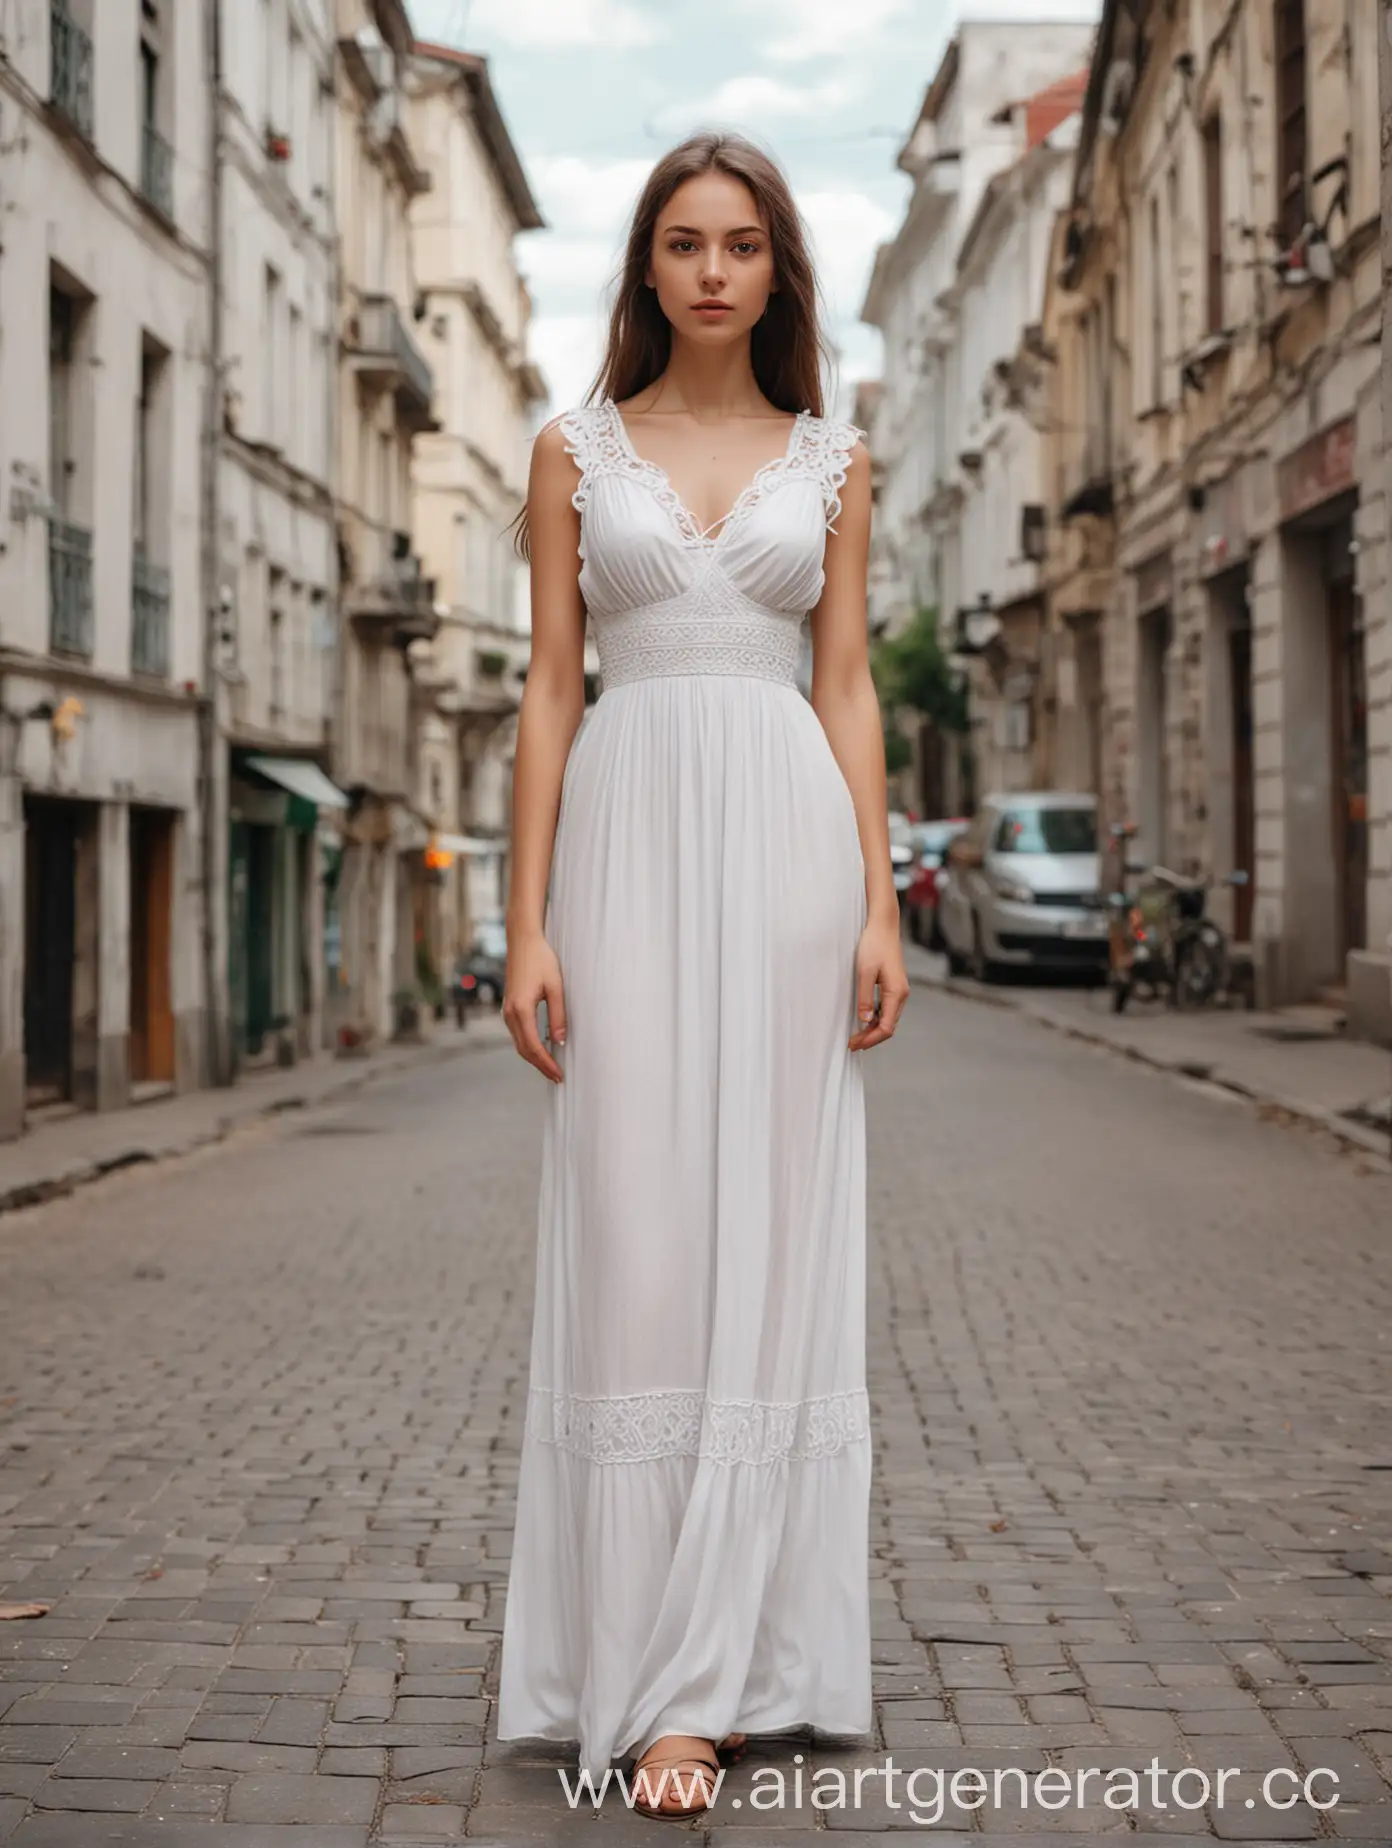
(534, 976)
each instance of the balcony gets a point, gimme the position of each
(71, 88)
(385, 355)
(69, 589)
(157, 171)
(399, 604)
(149, 617)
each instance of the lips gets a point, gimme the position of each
(712, 308)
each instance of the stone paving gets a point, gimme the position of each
(1133, 1502)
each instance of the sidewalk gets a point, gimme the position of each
(61, 1153)
(1295, 1060)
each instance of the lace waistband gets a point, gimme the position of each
(711, 629)
(643, 1427)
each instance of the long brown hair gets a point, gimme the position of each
(787, 346)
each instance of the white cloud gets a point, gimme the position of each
(544, 23)
(831, 28)
(751, 100)
(846, 228)
(560, 265)
(567, 347)
(587, 197)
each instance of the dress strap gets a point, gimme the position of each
(823, 455)
(589, 436)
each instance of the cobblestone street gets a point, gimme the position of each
(1130, 1354)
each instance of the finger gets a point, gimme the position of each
(555, 1012)
(892, 1006)
(531, 1048)
(520, 1020)
(865, 995)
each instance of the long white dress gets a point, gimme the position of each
(692, 1526)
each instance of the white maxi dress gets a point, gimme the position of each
(691, 1550)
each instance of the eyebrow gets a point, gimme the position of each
(691, 231)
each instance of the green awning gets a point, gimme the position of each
(302, 778)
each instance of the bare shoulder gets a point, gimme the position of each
(857, 470)
(554, 469)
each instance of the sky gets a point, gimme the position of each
(594, 91)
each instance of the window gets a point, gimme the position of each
(1157, 309)
(71, 608)
(1174, 271)
(63, 314)
(1290, 120)
(271, 358)
(156, 154)
(275, 644)
(1048, 830)
(1214, 316)
(294, 445)
(151, 478)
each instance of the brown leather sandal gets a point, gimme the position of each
(701, 1782)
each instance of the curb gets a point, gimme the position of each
(84, 1173)
(1270, 1104)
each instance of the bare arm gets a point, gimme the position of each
(553, 702)
(844, 698)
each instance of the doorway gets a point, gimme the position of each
(1152, 733)
(1244, 789)
(51, 832)
(151, 902)
(1348, 681)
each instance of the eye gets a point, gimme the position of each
(681, 244)
(746, 248)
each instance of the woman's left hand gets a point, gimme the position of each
(879, 964)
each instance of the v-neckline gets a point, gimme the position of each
(682, 516)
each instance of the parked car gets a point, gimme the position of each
(1023, 889)
(931, 840)
(901, 851)
(479, 974)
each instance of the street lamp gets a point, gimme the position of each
(977, 626)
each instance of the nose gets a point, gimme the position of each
(713, 270)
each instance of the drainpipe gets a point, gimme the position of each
(212, 765)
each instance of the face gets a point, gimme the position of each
(712, 260)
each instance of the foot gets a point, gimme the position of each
(676, 1776)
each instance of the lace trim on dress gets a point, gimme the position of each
(819, 450)
(645, 1427)
(823, 455)
(712, 628)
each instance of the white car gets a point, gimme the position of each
(1023, 888)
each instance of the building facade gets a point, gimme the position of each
(277, 653)
(386, 392)
(1223, 253)
(968, 132)
(999, 628)
(104, 367)
(470, 475)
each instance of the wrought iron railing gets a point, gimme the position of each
(383, 331)
(69, 588)
(149, 617)
(71, 86)
(157, 170)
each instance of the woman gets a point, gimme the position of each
(692, 1536)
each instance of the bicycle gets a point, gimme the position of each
(1162, 938)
